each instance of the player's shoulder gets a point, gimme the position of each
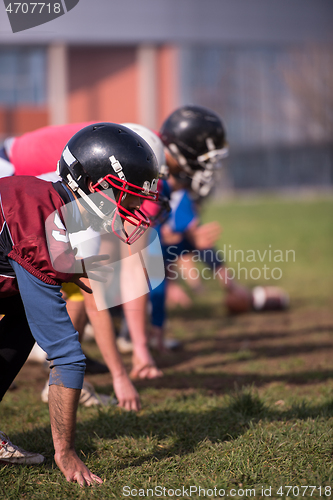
(23, 182)
(30, 189)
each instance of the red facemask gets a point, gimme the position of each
(134, 217)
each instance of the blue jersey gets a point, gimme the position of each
(183, 211)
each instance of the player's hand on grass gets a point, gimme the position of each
(74, 469)
(126, 393)
(143, 364)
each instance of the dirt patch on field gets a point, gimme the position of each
(220, 352)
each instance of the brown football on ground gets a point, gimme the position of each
(269, 298)
(238, 301)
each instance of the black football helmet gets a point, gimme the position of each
(195, 136)
(118, 162)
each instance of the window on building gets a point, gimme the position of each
(267, 95)
(22, 76)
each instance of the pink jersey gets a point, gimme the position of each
(38, 152)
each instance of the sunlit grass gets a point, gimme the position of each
(246, 404)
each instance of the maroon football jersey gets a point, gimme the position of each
(33, 231)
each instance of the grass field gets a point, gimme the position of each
(246, 407)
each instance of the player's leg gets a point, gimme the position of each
(76, 309)
(16, 340)
(16, 343)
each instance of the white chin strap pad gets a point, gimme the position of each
(92, 205)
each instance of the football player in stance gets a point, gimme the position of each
(106, 170)
(36, 153)
(195, 145)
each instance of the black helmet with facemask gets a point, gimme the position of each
(118, 162)
(195, 136)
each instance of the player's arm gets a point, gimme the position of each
(63, 406)
(101, 322)
(203, 236)
(134, 284)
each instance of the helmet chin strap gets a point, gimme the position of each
(92, 205)
(75, 187)
(107, 225)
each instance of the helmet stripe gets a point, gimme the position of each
(68, 157)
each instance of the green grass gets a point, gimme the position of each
(281, 225)
(246, 405)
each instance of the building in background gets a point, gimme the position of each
(277, 103)
(59, 83)
(265, 67)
